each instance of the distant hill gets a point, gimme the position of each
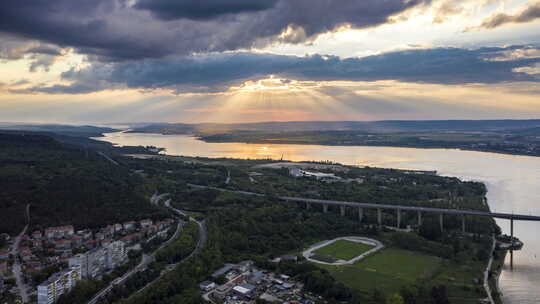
(390, 126)
(68, 130)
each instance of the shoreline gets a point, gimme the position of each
(279, 142)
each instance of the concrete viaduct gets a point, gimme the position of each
(379, 207)
(399, 208)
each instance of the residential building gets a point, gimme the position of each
(86, 234)
(37, 234)
(37, 243)
(77, 241)
(26, 256)
(118, 227)
(59, 283)
(108, 231)
(3, 267)
(62, 244)
(146, 223)
(129, 225)
(92, 264)
(59, 232)
(116, 254)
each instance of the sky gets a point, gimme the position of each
(119, 61)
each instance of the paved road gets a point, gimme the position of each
(156, 198)
(201, 242)
(228, 180)
(146, 259)
(486, 272)
(17, 271)
(108, 158)
(144, 262)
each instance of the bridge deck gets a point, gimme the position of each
(519, 217)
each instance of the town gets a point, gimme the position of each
(245, 283)
(64, 256)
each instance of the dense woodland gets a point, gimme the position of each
(65, 184)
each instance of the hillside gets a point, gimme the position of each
(65, 184)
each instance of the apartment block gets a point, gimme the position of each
(58, 284)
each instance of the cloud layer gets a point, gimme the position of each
(215, 73)
(116, 30)
(528, 14)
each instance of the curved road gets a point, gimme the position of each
(203, 236)
(146, 259)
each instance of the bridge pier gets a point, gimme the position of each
(379, 216)
(463, 223)
(441, 223)
(512, 243)
(342, 210)
(325, 208)
(308, 206)
(398, 211)
(419, 218)
(360, 214)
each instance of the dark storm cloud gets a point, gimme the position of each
(200, 10)
(112, 30)
(218, 72)
(530, 13)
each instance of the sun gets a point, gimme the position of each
(272, 83)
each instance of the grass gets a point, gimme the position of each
(343, 250)
(387, 270)
(390, 269)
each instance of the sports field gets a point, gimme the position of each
(343, 250)
(388, 270)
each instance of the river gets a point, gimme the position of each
(513, 184)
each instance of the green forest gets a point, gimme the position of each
(66, 184)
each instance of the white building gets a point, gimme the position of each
(95, 262)
(116, 254)
(59, 232)
(92, 263)
(59, 283)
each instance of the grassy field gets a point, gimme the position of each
(343, 250)
(390, 269)
(387, 270)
